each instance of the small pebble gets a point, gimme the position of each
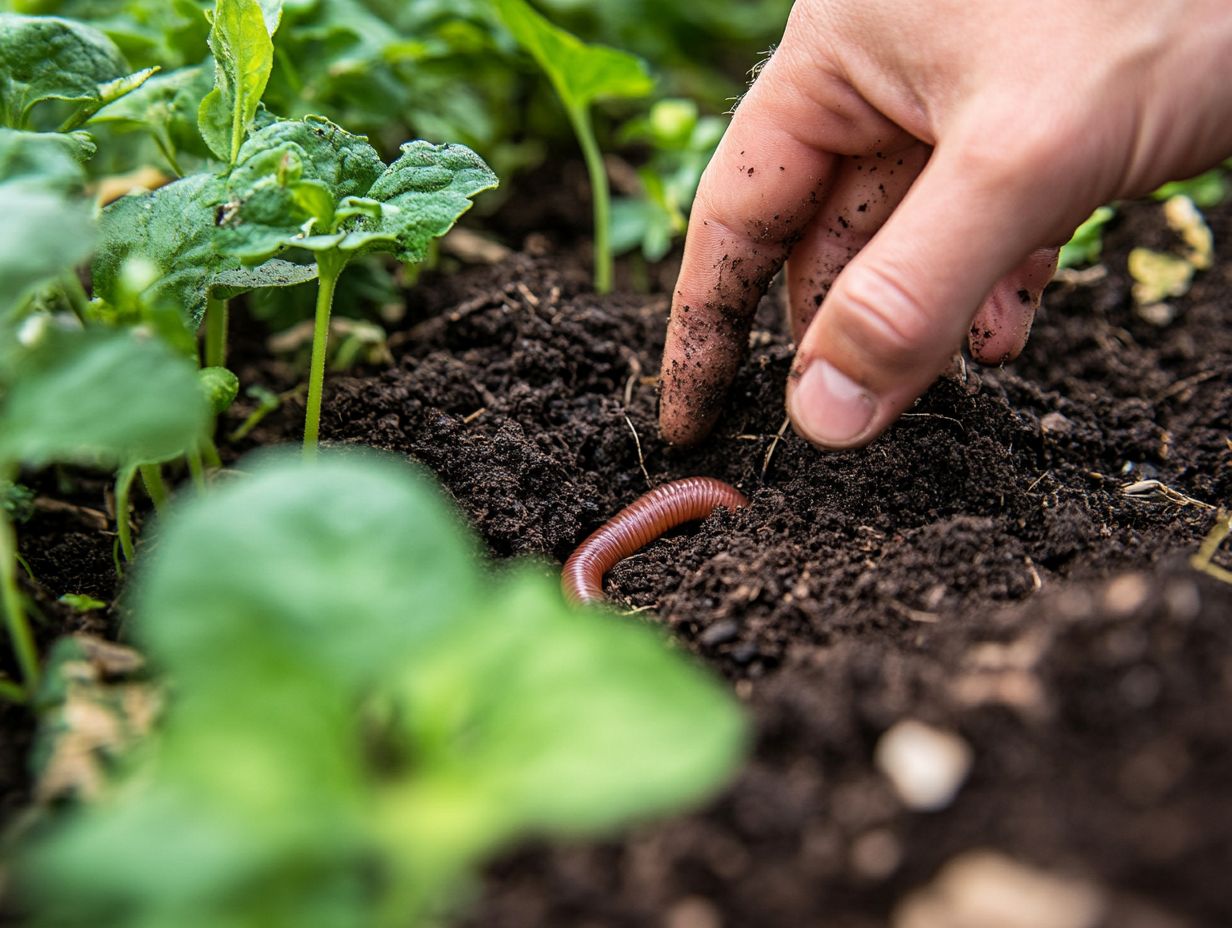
(1124, 595)
(986, 889)
(1055, 424)
(693, 912)
(925, 765)
(720, 632)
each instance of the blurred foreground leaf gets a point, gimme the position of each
(360, 714)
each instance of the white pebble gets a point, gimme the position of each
(925, 765)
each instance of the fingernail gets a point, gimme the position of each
(829, 408)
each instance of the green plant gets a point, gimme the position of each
(46, 227)
(310, 185)
(58, 72)
(98, 398)
(581, 75)
(681, 142)
(360, 715)
(1087, 242)
(1208, 189)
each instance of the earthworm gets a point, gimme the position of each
(638, 524)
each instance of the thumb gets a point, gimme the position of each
(901, 308)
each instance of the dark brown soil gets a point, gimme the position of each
(978, 569)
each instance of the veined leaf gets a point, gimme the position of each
(309, 184)
(100, 397)
(424, 192)
(581, 73)
(241, 40)
(47, 59)
(173, 229)
(232, 281)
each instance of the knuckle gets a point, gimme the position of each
(883, 318)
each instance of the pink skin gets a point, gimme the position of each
(912, 164)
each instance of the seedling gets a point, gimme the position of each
(581, 75)
(682, 142)
(1087, 242)
(1204, 559)
(241, 40)
(96, 397)
(351, 737)
(308, 184)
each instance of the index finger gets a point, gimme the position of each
(765, 183)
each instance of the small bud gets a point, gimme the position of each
(220, 387)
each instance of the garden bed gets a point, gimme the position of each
(979, 569)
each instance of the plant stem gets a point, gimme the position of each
(76, 295)
(582, 127)
(209, 453)
(215, 332)
(11, 692)
(196, 468)
(152, 477)
(329, 268)
(123, 488)
(14, 611)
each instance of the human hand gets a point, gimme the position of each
(916, 165)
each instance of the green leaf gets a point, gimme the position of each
(309, 184)
(1087, 242)
(166, 106)
(82, 602)
(172, 230)
(44, 230)
(1207, 190)
(44, 160)
(42, 235)
(241, 40)
(48, 59)
(344, 569)
(100, 397)
(231, 282)
(580, 73)
(424, 192)
(171, 236)
(640, 732)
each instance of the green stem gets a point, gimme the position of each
(162, 138)
(123, 490)
(329, 268)
(75, 293)
(215, 332)
(580, 118)
(14, 611)
(11, 692)
(197, 469)
(209, 453)
(152, 477)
